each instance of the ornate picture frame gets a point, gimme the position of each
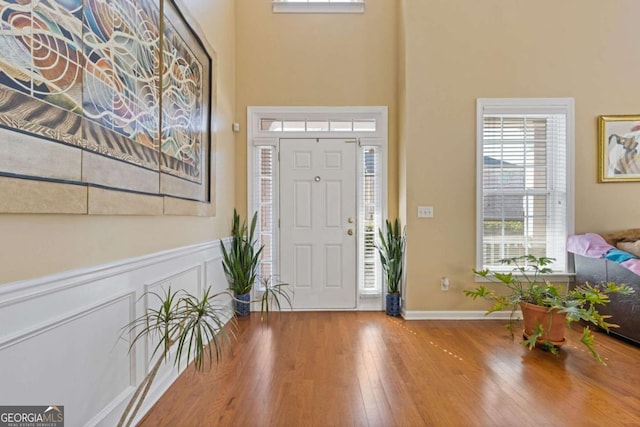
(619, 148)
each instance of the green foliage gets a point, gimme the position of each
(274, 296)
(391, 250)
(536, 338)
(193, 324)
(510, 228)
(588, 340)
(240, 260)
(533, 339)
(526, 283)
(188, 321)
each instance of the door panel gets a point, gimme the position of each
(317, 197)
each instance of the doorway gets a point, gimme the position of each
(318, 211)
(317, 178)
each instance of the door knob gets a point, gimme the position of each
(350, 232)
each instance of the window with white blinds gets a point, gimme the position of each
(525, 180)
(264, 185)
(370, 209)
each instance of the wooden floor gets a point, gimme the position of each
(367, 369)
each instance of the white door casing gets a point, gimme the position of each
(318, 214)
(266, 127)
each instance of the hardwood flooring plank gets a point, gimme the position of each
(367, 369)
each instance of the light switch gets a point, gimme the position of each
(425, 211)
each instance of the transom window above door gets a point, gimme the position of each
(316, 125)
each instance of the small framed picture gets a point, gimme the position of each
(618, 148)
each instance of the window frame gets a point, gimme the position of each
(526, 106)
(316, 6)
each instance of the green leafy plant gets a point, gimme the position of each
(526, 284)
(274, 296)
(240, 260)
(193, 325)
(391, 250)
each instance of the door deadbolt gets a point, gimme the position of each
(350, 220)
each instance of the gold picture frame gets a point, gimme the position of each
(619, 148)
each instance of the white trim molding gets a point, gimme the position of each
(266, 136)
(457, 315)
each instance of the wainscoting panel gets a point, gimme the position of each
(62, 340)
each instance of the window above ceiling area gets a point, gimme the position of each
(318, 6)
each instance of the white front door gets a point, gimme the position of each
(318, 221)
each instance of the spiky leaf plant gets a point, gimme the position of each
(274, 296)
(194, 325)
(391, 248)
(240, 260)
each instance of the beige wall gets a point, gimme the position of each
(460, 50)
(428, 61)
(315, 60)
(36, 245)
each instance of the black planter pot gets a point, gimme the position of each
(243, 308)
(393, 304)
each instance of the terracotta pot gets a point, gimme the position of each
(553, 323)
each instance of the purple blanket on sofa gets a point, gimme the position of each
(593, 245)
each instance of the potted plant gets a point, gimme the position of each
(274, 294)
(240, 261)
(546, 308)
(195, 326)
(391, 250)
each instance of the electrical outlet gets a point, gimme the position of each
(425, 211)
(444, 284)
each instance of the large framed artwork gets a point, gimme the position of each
(107, 94)
(618, 148)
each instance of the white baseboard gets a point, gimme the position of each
(61, 335)
(456, 315)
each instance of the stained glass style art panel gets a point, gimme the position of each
(90, 74)
(41, 68)
(15, 43)
(121, 91)
(184, 116)
(181, 107)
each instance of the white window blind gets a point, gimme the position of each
(370, 278)
(524, 184)
(265, 177)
